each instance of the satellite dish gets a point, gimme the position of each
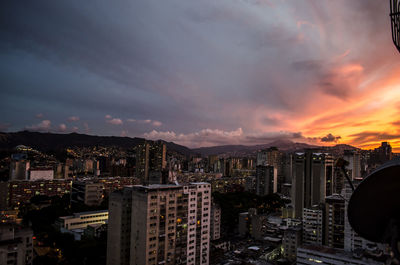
(374, 207)
(395, 22)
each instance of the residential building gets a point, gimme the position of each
(215, 222)
(15, 245)
(292, 239)
(23, 191)
(334, 221)
(150, 161)
(313, 225)
(119, 227)
(169, 224)
(266, 180)
(87, 192)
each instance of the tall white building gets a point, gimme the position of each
(169, 224)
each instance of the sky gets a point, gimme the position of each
(202, 73)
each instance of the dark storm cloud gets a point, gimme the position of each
(186, 66)
(330, 138)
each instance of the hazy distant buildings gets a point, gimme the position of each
(381, 154)
(150, 162)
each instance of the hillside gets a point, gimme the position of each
(55, 141)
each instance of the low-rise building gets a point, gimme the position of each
(313, 254)
(23, 191)
(87, 192)
(81, 220)
(41, 174)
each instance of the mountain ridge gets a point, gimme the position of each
(53, 141)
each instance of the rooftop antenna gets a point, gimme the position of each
(395, 22)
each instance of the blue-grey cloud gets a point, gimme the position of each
(185, 66)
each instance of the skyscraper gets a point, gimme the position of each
(119, 227)
(312, 179)
(150, 162)
(266, 180)
(168, 224)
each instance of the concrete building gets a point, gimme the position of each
(150, 161)
(23, 191)
(15, 245)
(292, 239)
(169, 224)
(266, 180)
(215, 222)
(312, 254)
(41, 174)
(87, 192)
(354, 167)
(119, 227)
(312, 179)
(313, 226)
(81, 220)
(334, 221)
(19, 169)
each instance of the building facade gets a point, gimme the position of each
(169, 224)
(16, 246)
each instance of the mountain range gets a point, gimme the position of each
(56, 141)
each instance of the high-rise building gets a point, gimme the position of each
(313, 225)
(119, 227)
(334, 221)
(150, 162)
(266, 180)
(354, 167)
(215, 222)
(169, 224)
(312, 179)
(15, 245)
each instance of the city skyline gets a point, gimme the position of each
(202, 74)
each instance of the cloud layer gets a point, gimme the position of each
(185, 69)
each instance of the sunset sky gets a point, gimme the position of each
(202, 73)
